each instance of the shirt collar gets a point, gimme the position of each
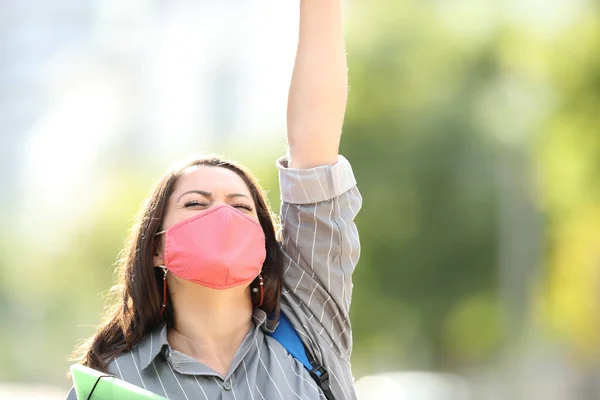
(151, 345)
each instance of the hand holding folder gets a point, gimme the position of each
(103, 387)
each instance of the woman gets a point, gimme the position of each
(205, 279)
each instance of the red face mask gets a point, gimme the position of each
(220, 248)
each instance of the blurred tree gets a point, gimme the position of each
(568, 155)
(426, 172)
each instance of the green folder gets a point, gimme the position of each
(106, 388)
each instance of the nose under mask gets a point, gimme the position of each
(220, 248)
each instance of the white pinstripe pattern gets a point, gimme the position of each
(150, 353)
(310, 340)
(323, 309)
(312, 251)
(119, 369)
(297, 236)
(286, 240)
(318, 207)
(332, 372)
(283, 373)
(200, 386)
(160, 380)
(311, 384)
(337, 312)
(346, 227)
(329, 251)
(353, 231)
(177, 380)
(258, 390)
(339, 213)
(334, 375)
(345, 385)
(298, 283)
(302, 186)
(217, 382)
(291, 300)
(233, 391)
(343, 285)
(315, 234)
(138, 370)
(319, 182)
(286, 207)
(268, 374)
(311, 295)
(247, 381)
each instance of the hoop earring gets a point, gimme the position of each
(260, 289)
(164, 303)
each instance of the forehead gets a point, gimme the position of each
(211, 179)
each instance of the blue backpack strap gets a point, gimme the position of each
(288, 337)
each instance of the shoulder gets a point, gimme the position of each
(120, 365)
(141, 355)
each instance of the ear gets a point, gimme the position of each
(158, 254)
(158, 260)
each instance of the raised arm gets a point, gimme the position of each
(318, 189)
(318, 91)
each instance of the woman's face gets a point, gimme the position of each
(201, 189)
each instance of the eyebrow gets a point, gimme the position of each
(209, 194)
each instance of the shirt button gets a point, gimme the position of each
(227, 385)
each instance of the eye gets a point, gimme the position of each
(244, 206)
(194, 203)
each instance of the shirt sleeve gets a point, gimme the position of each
(321, 248)
(71, 395)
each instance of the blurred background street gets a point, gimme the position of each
(473, 128)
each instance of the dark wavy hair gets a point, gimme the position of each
(134, 307)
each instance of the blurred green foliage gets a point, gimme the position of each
(425, 288)
(568, 153)
(441, 106)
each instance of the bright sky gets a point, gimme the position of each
(153, 70)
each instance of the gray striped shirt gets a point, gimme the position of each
(321, 248)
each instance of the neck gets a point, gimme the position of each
(210, 325)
